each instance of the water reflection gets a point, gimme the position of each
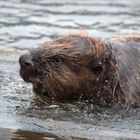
(7, 134)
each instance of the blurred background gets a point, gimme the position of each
(27, 23)
(24, 24)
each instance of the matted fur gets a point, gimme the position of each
(81, 67)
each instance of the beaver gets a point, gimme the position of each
(79, 67)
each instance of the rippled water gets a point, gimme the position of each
(24, 24)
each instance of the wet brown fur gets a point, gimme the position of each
(80, 67)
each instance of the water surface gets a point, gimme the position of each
(24, 25)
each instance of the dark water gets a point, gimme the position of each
(24, 24)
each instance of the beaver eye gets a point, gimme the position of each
(59, 60)
(97, 70)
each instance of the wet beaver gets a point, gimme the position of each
(80, 67)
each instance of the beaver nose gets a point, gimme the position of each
(25, 61)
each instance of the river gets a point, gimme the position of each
(24, 24)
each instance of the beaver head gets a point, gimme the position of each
(69, 68)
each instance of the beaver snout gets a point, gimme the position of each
(26, 67)
(25, 61)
